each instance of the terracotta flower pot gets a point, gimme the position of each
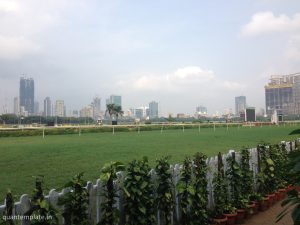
(264, 204)
(290, 187)
(282, 192)
(240, 216)
(231, 218)
(277, 196)
(271, 199)
(221, 221)
(256, 207)
(250, 210)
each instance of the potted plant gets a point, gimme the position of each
(266, 177)
(220, 194)
(199, 212)
(234, 176)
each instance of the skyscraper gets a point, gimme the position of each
(36, 108)
(282, 94)
(27, 94)
(16, 106)
(115, 99)
(240, 104)
(47, 107)
(96, 107)
(153, 110)
(59, 108)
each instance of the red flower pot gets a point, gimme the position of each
(271, 199)
(264, 204)
(231, 218)
(250, 210)
(240, 216)
(256, 207)
(282, 193)
(277, 196)
(221, 221)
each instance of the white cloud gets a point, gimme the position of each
(16, 47)
(182, 79)
(293, 49)
(267, 22)
(8, 6)
(179, 79)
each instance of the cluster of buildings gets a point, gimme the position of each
(25, 105)
(282, 97)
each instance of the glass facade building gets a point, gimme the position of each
(27, 94)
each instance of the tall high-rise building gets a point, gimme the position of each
(47, 107)
(115, 99)
(240, 104)
(153, 110)
(60, 108)
(16, 106)
(27, 94)
(36, 108)
(282, 94)
(96, 107)
(201, 111)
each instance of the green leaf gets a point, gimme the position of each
(270, 162)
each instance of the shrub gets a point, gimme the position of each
(139, 196)
(40, 207)
(199, 213)
(164, 197)
(110, 215)
(185, 191)
(75, 202)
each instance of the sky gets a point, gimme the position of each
(181, 54)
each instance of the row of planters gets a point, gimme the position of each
(240, 192)
(161, 197)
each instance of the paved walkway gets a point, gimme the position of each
(268, 217)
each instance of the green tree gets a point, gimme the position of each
(114, 110)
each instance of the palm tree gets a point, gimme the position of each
(118, 111)
(110, 109)
(115, 110)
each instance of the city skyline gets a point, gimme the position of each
(181, 54)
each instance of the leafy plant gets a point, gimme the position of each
(75, 202)
(45, 212)
(6, 219)
(139, 196)
(246, 174)
(164, 197)
(292, 203)
(234, 175)
(266, 176)
(199, 213)
(219, 190)
(110, 215)
(185, 191)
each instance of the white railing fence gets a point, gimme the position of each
(95, 190)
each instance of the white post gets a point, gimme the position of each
(199, 128)
(43, 132)
(161, 130)
(227, 126)
(214, 127)
(79, 131)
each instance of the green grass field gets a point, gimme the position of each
(59, 157)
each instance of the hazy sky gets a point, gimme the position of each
(179, 53)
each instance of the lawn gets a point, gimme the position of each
(59, 157)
